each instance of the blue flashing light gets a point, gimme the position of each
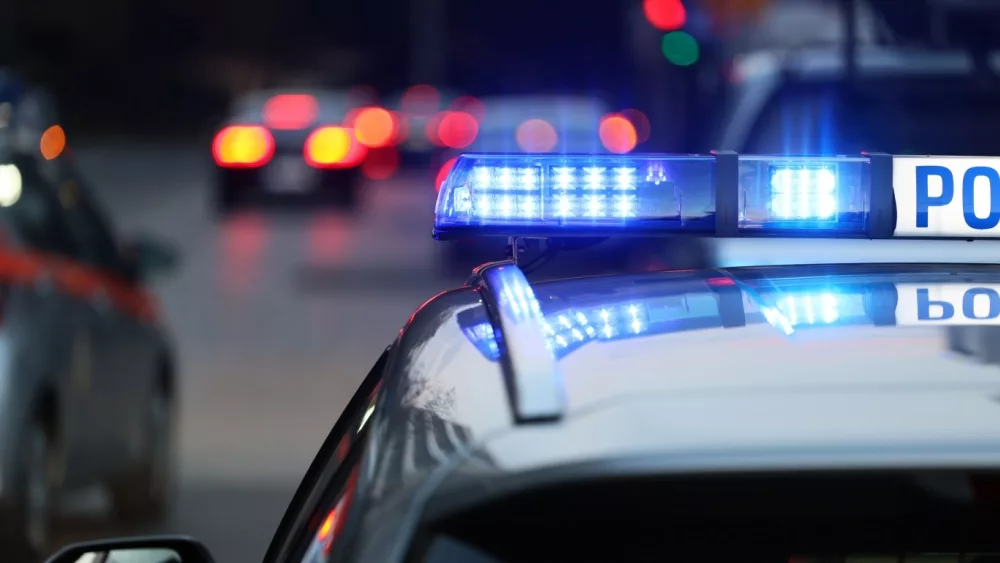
(801, 194)
(548, 195)
(553, 194)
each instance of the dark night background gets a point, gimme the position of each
(126, 65)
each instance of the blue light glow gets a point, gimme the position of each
(576, 191)
(811, 307)
(803, 194)
(553, 195)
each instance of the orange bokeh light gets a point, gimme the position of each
(53, 142)
(374, 127)
(617, 134)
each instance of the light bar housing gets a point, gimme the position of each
(722, 194)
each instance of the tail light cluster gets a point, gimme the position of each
(243, 146)
(334, 147)
(369, 134)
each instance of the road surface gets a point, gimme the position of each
(276, 319)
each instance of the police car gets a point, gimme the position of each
(792, 412)
(289, 147)
(86, 365)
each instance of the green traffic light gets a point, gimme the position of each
(680, 48)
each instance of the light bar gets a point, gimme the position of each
(876, 196)
(508, 195)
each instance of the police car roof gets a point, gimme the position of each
(793, 367)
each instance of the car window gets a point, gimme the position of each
(89, 227)
(30, 214)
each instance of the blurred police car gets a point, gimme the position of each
(289, 147)
(86, 366)
(529, 124)
(807, 412)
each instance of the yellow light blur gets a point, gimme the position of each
(329, 145)
(243, 145)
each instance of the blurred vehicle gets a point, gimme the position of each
(420, 109)
(758, 410)
(87, 372)
(281, 147)
(526, 124)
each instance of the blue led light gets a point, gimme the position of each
(819, 194)
(525, 192)
(803, 193)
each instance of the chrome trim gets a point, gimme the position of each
(533, 380)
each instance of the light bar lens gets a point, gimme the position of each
(804, 194)
(577, 191)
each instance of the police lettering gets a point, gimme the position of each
(925, 201)
(940, 310)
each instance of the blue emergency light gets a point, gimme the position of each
(723, 194)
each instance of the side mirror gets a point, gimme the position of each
(153, 549)
(149, 257)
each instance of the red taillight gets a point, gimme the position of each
(333, 147)
(243, 146)
(290, 111)
(457, 129)
(617, 133)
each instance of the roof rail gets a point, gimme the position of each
(534, 383)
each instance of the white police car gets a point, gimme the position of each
(809, 412)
